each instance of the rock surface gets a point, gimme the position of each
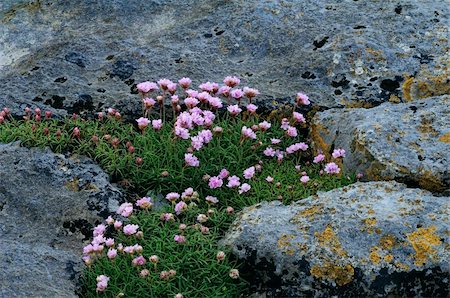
(339, 52)
(48, 205)
(366, 239)
(406, 142)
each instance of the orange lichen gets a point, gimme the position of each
(402, 266)
(407, 88)
(342, 275)
(388, 258)
(309, 212)
(316, 135)
(329, 239)
(284, 243)
(374, 256)
(423, 241)
(445, 138)
(387, 242)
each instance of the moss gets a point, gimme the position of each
(423, 241)
(342, 275)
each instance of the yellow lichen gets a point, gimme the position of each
(423, 241)
(374, 256)
(73, 185)
(402, 266)
(284, 243)
(407, 88)
(445, 138)
(329, 239)
(387, 242)
(342, 275)
(316, 134)
(388, 258)
(309, 212)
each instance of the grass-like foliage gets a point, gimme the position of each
(204, 165)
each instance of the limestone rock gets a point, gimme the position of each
(48, 206)
(88, 55)
(406, 142)
(363, 240)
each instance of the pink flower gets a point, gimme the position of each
(211, 200)
(99, 230)
(102, 283)
(109, 242)
(146, 87)
(76, 132)
(157, 124)
(244, 188)
(269, 151)
(248, 132)
(154, 259)
(125, 209)
(88, 249)
(130, 229)
(179, 238)
(142, 123)
(217, 130)
(304, 179)
(144, 203)
(332, 168)
(230, 210)
(302, 99)
(234, 110)
(174, 99)
(118, 225)
(295, 147)
(225, 90)
(249, 173)
(112, 253)
(220, 256)
(173, 196)
(110, 220)
(197, 142)
(187, 193)
(338, 153)
(149, 102)
(231, 81)
(234, 273)
(269, 179)
(298, 117)
(236, 94)
(167, 217)
(192, 93)
(285, 124)
(139, 261)
(215, 182)
(320, 157)
(171, 87)
(224, 173)
(191, 102)
(179, 295)
(264, 125)
(233, 182)
(207, 135)
(359, 176)
(163, 83)
(182, 132)
(252, 108)
(191, 160)
(144, 273)
(250, 92)
(215, 102)
(208, 87)
(291, 131)
(202, 218)
(275, 141)
(204, 230)
(185, 82)
(180, 207)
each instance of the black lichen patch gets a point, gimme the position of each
(320, 43)
(308, 75)
(340, 81)
(56, 102)
(79, 225)
(60, 80)
(122, 69)
(76, 58)
(83, 103)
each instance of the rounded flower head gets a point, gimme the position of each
(234, 110)
(248, 133)
(320, 157)
(144, 203)
(250, 92)
(173, 196)
(164, 83)
(264, 125)
(157, 124)
(139, 261)
(191, 160)
(291, 131)
(125, 209)
(180, 207)
(146, 87)
(185, 82)
(215, 182)
(304, 179)
(244, 188)
(211, 200)
(237, 93)
(102, 283)
(202, 218)
(249, 173)
(220, 256)
(233, 182)
(225, 90)
(112, 253)
(130, 229)
(234, 273)
(338, 153)
(303, 99)
(142, 123)
(252, 108)
(332, 168)
(231, 81)
(179, 238)
(299, 118)
(149, 102)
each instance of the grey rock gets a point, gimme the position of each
(363, 240)
(48, 206)
(339, 52)
(405, 142)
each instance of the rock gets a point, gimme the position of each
(406, 142)
(341, 53)
(48, 206)
(363, 240)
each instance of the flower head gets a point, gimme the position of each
(233, 182)
(130, 229)
(338, 153)
(179, 238)
(249, 172)
(332, 168)
(157, 124)
(146, 87)
(180, 207)
(102, 283)
(173, 196)
(303, 99)
(144, 203)
(215, 182)
(142, 123)
(184, 82)
(231, 81)
(320, 157)
(244, 188)
(191, 160)
(125, 209)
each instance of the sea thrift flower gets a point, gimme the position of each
(208, 87)
(249, 173)
(149, 102)
(233, 182)
(191, 160)
(236, 94)
(211, 200)
(320, 157)
(109, 242)
(291, 131)
(112, 253)
(118, 225)
(234, 110)
(99, 230)
(359, 176)
(142, 123)
(179, 238)
(144, 273)
(250, 92)
(231, 81)
(224, 173)
(117, 116)
(180, 207)
(217, 130)
(164, 275)
(139, 161)
(338, 153)
(130, 229)
(146, 87)
(248, 132)
(167, 217)
(48, 114)
(110, 220)
(269, 151)
(302, 99)
(172, 273)
(76, 132)
(157, 124)
(244, 188)
(220, 256)
(137, 248)
(138, 261)
(215, 102)
(94, 138)
(252, 108)
(299, 117)
(182, 132)
(154, 259)
(144, 203)
(187, 193)
(215, 182)
(191, 102)
(204, 230)
(225, 90)
(179, 295)
(102, 283)
(234, 273)
(264, 125)
(269, 179)
(182, 227)
(332, 168)
(164, 83)
(285, 124)
(172, 87)
(230, 210)
(275, 141)
(206, 135)
(125, 209)
(174, 99)
(185, 82)
(202, 218)
(192, 93)
(304, 179)
(173, 196)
